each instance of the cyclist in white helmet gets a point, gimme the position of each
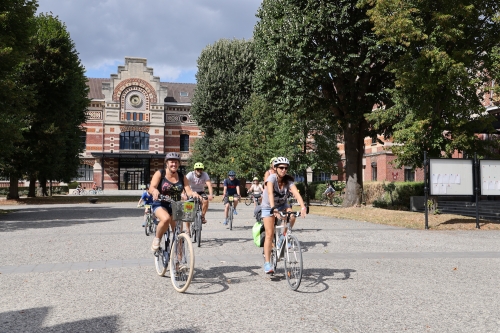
(256, 190)
(170, 182)
(274, 200)
(197, 180)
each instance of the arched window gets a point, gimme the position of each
(134, 140)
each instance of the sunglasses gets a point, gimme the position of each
(199, 169)
(283, 168)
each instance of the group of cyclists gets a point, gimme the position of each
(171, 182)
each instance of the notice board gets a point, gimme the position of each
(451, 176)
(489, 177)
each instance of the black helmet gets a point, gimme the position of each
(231, 173)
(173, 156)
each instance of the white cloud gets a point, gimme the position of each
(170, 34)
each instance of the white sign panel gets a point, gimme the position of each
(451, 176)
(489, 177)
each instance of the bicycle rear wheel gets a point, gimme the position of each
(161, 258)
(293, 262)
(182, 263)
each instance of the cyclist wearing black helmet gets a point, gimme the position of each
(172, 183)
(231, 188)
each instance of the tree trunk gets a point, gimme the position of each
(306, 188)
(43, 185)
(13, 188)
(354, 150)
(32, 187)
(218, 185)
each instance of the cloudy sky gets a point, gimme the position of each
(170, 33)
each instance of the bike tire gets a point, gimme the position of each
(161, 259)
(182, 263)
(293, 262)
(248, 201)
(147, 226)
(231, 209)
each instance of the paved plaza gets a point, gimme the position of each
(88, 268)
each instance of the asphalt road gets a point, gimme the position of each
(88, 268)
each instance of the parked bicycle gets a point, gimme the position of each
(289, 250)
(179, 252)
(196, 226)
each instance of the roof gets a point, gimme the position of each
(173, 90)
(95, 88)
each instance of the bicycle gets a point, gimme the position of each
(180, 251)
(196, 226)
(291, 200)
(230, 214)
(98, 190)
(150, 225)
(252, 198)
(289, 250)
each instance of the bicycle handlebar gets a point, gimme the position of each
(285, 214)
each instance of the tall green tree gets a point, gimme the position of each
(322, 56)
(448, 54)
(224, 80)
(16, 29)
(52, 144)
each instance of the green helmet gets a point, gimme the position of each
(272, 160)
(199, 166)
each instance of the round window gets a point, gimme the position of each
(135, 100)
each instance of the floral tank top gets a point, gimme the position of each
(173, 190)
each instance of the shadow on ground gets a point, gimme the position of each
(31, 320)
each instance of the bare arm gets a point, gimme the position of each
(153, 187)
(297, 196)
(210, 189)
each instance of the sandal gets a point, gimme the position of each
(203, 220)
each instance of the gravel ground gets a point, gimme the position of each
(88, 268)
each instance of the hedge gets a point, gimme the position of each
(374, 193)
(23, 190)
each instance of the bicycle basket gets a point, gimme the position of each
(184, 211)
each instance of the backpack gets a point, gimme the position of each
(259, 234)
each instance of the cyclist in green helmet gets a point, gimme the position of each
(197, 180)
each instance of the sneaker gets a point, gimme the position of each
(268, 269)
(144, 224)
(156, 244)
(225, 222)
(280, 241)
(235, 212)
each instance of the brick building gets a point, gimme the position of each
(133, 120)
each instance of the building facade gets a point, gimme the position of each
(134, 119)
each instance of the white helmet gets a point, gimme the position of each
(281, 160)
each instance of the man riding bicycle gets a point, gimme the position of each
(146, 199)
(329, 192)
(231, 188)
(197, 180)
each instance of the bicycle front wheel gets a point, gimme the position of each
(248, 201)
(147, 225)
(161, 260)
(293, 262)
(231, 209)
(182, 263)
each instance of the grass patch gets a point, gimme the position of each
(405, 219)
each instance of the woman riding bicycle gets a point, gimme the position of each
(256, 190)
(274, 200)
(169, 182)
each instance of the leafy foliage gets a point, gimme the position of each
(223, 84)
(322, 56)
(448, 48)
